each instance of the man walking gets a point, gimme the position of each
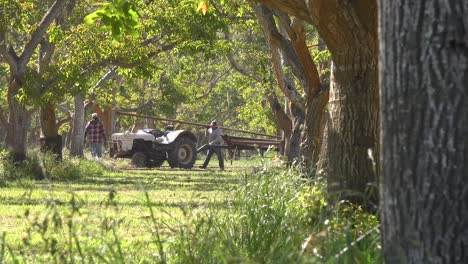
(214, 134)
(95, 135)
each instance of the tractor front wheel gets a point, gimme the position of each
(139, 160)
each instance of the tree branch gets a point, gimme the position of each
(279, 41)
(63, 109)
(63, 121)
(298, 8)
(282, 119)
(7, 53)
(265, 17)
(37, 35)
(213, 83)
(236, 65)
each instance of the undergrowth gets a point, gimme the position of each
(40, 166)
(276, 215)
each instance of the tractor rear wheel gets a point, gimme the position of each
(139, 160)
(183, 155)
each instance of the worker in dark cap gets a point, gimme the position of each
(214, 134)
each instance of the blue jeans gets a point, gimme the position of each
(217, 151)
(96, 150)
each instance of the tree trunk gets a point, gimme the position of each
(424, 77)
(353, 132)
(50, 139)
(18, 120)
(297, 118)
(77, 136)
(349, 29)
(322, 164)
(281, 58)
(314, 128)
(108, 120)
(3, 126)
(282, 120)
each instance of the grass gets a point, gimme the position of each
(109, 213)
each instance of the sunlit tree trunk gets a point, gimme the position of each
(50, 139)
(424, 80)
(18, 120)
(79, 122)
(316, 96)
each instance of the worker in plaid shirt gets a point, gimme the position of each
(95, 135)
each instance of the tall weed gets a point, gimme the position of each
(278, 216)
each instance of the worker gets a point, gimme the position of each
(95, 135)
(215, 140)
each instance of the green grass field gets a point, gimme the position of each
(120, 195)
(109, 212)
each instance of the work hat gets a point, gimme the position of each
(94, 115)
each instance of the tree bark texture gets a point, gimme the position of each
(353, 134)
(424, 80)
(17, 123)
(349, 29)
(79, 122)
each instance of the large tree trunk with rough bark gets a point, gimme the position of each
(18, 121)
(424, 80)
(353, 131)
(79, 122)
(349, 29)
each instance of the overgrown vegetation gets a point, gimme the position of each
(46, 167)
(269, 215)
(280, 216)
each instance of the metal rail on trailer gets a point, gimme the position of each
(234, 144)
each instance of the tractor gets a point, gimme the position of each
(151, 147)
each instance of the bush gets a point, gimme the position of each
(39, 166)
(29, 169)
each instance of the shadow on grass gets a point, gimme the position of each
(22, 201)
(147, 181)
